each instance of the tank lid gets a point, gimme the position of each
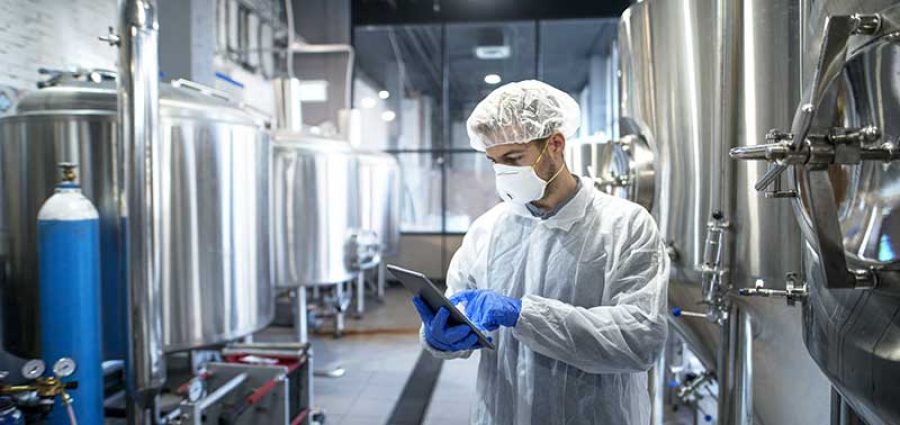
(101, 97)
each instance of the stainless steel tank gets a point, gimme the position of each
(316, 209)
(379, 197)
(698, 78)
(854, 334)
(212, 209)
(661, 109)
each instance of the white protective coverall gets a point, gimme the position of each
(592, 280)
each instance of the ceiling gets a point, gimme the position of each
(394, 12)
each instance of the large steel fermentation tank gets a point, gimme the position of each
(316, 209)
(211, 191)
(698, 78)
(854, 333)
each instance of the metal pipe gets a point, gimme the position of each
(657, 387)
(138, 117)
(288, 107)
(736, 369)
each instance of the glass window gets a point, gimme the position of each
(398, 85)
(470, 189)
(416, 85)
(421, 201)
(483, 57)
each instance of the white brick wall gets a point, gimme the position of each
(50, 34)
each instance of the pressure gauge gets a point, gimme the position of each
(64, 367)
(33, 369)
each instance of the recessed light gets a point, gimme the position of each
(388, 116)
(367, 103)
(492, 79)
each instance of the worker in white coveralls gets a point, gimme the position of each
(570, 282)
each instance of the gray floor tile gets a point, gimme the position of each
(364, 420)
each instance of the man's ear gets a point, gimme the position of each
(557, 143)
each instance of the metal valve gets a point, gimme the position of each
(794, 290)
(111, 38)
(844, 146)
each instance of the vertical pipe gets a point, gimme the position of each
(138, 118)
(657, 387)
(835, 407)
(736, 369)
(289, 111)
(446, 142)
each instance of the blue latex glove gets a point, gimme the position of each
(488, 309)
(441, 336)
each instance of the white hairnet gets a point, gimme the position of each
(522, 112)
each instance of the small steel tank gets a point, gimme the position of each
(379, 197)
(316, 209)
(212, 197)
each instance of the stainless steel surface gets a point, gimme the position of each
(211, 207)
(661, 104)
(379, 197)
(853, 333)
(699, 78)
(138, 108)
(625, 168)
(316, 209)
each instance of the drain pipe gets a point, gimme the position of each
(138, 92)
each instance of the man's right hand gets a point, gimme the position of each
(439, 335)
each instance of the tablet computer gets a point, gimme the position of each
(418, 284)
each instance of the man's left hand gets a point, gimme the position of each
(488, 309)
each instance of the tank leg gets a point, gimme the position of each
(360, 294)
(301, 325)
(339, 315)
(381, 280)
(841, 412)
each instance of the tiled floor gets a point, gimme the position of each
(378, 365)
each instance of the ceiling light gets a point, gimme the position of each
(367, 103)
(492, 79)
(384, 94)
(388, 115)
(492, 52)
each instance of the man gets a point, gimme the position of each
(571, 282)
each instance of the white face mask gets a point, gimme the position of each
(521, 184)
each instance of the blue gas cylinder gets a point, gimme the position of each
(69, 270)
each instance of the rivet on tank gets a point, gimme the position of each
(69, 270)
